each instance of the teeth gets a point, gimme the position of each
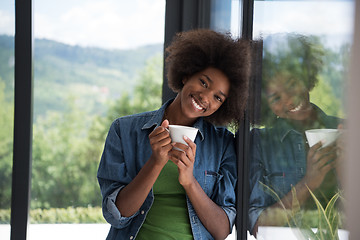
(297, 108)
(197, 106)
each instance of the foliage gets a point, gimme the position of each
(67, 147)
(147, 93)
(59, 215)
(328, 219)
(60, 70)
(323, 96)
(6, 147)
(62, 175)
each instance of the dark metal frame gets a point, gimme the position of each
(243, 139)
(183, 15)
(22, 148)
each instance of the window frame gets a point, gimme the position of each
(23, 110)
(180, 15)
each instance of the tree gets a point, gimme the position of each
(6, 147)
(60, 168)
(67, 146)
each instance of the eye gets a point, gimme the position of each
(274, 99)
(203, 83)
(218, 98)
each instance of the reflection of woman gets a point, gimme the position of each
(192, 196)
(280, 157)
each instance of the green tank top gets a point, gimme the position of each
(168, 217)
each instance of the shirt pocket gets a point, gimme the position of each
(211, 182)
(276, 182)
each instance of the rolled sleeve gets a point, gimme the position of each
(112, 177)
(114, 216)
(224, 194)
(231, 214)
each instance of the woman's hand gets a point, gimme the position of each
(319, 162)
(184, 159)
(160, 142)
(132, 196)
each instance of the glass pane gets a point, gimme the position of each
(94, 62)
(7, 33)
(295, 173)
(225, 17)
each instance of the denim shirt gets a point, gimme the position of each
(127, 149)
(278, 160)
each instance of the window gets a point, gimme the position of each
(93, 62)
(305, 55)
(7, 31)
(271, 21)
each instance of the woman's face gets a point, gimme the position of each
(289, 99)
(204, 93)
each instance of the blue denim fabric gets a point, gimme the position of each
(278, 160)
(126, 150)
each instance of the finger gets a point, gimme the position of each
(180, 146)
(326, 168)
(315, 147)
(191, 144)
(162, 138)
(188, 152)
(177, 161)
(313, 150)
(326, 150)
(181, 155)
(326, 159)
(158, 130)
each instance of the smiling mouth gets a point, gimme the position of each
(196, 105)
(296, 108)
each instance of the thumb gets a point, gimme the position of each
(165, 123)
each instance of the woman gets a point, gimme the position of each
(280, 156)
(153, 191)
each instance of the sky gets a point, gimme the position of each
(321, 17)
(112, 24)
(122, 24)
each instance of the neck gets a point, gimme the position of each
(309, 122)
(173, 113)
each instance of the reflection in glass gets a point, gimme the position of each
(303, 67)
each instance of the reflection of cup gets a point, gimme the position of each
(327, 136)
(177, 133)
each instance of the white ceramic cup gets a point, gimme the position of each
(177, 133)
(326, 136)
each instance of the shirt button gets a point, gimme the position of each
(142, 212)
(131, 237)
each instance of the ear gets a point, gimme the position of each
(185, 79)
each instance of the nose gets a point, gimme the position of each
(288, 101)
(205, 96)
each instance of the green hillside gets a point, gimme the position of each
(89, 76)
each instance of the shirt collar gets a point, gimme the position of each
(285, 128)
(157, 117)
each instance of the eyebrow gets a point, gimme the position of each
(211, 81)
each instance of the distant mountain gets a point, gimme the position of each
(90, 75)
